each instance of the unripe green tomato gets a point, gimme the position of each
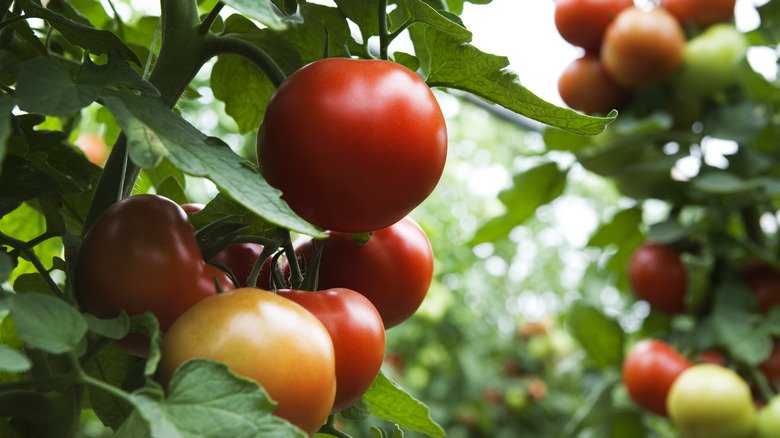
(711, 401)
(709, 60)
(769, 420)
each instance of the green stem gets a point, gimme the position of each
(204, 27)
(296, 278)
(48, 383)
(763, 385)
(394, 34)
(27, 251)
(219, 44)
(267, 252)
(329, 428)
(120, 24)
(384, 42)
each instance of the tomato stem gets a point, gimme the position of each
(26, 249)
(384, 42)
(220, 44)
(254, 274)
(207, 22)
(329, 428)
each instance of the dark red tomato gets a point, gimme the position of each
(358, 338)
(642, 47)
(659, 277)
(711, 356)
(700, 13)
(771, 368)
(649, 370)
(240, 258)
(764, 281)
(141, 255)
(583, 22)
(393, 269)
(354, 145)
(585, 86)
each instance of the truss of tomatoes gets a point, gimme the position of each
(627, 48)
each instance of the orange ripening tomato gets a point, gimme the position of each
(585, 86)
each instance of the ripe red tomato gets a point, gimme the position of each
(764, 281)
(642, 47)
(771, 368)
(141, 255)
(658, 276)
(354, 145)
(585, 86)
(700, 13)
(393, 269)
(583, 22)
(263, 337)
(649, 371)
(358, 338)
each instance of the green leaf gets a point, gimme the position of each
(113, 73)
(418, 11)
(454, 64)
(206, 399)
(724, 183)
(222, 206)
(388, 401)
(6, 106)
(364, 14)
(622, 233)
(116, 328)
(323, 27)
(530, 189)
(738, 327)
(118, 368)
(45, 87)
(260, 10)
(47, 323)
(600, 336)
(195, 154)
(244, 89)
(13, 360)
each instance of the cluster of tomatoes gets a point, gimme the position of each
(627, 48)
(703, 397)
(354, 146)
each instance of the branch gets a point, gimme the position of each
(217, 45)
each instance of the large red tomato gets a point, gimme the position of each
(700, 13)
(642, 47)
(141, 255)
(649, 370)
(585, 86)
(393, 269)
(583, 22)
(358, 338)
(354, 145)
(764, 281)
(266, 338)
(659, 277)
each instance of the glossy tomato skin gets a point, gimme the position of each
(700, 13)
(649, 370)
(354, 145)
(711, 401)
(642, 47)
(266, 338)
(583, 22)
(764, 281)
(585, 86)
(141, 255)
(659, 277)
(358, 338)
(394, 269)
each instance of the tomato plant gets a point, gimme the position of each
(710, 60)
(659, 277)
(585, 86)
(365, 140)
(393, 269)
(649, 370)
(264, 337)
(583, 22)
(764, 281)
(700, 13)
(141, 255)
(770, 367)
(711, 401)
(768, 423)
(642, 47)
(358, 338)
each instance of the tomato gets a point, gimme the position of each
(240, 258)
(354, 145)
(358, 338)
(94, 147)
(583, 22)
(394, 269)
(711, 401)
(768, 425)
(770, 367)
(659, 277)
(711, 356)
(709, 61)
(649, 370)
(141, 255)
(263, 337)
(642, 47)
(764, 281)
(700, 13)
(585, 86)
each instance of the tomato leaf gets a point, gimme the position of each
(206, 399)
(116, 328)
(418, 11)
(46, 322)
(454, 64)
(737, 325)
(388, 401)
(118, 368)
(600, 336)
(260, 10)
(13, 360)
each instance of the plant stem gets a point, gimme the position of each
(204, 27)
(329, 428)
(382, 21)
(219, 44)
(27, 251)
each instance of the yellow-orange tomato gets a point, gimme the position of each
(93, 146)
(264, 337)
